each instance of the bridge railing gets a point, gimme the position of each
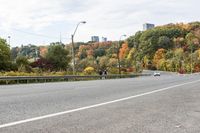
(36, 79)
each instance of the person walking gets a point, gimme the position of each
(100, 73)
(105, 74)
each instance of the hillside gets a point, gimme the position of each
(172, 47)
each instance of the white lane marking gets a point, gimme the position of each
(92, 106)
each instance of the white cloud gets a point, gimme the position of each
(34, 14)
(104, 17)
(113, 18)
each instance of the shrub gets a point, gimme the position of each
(114, 70)
(89, 70)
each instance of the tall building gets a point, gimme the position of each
(95, 39)
(104, 39)
(148, 26)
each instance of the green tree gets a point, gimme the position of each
(99, 52)
(59, 57)
(134, 41)
(22, 64)
(165, 42)
(5, 55)
(159, 37)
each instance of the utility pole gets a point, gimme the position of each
(73, 55)
(191, 59)
(60, 39)
(9, 40)
(73, 47)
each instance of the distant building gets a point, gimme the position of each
(104, 39)
(95, 39)
(148, 26)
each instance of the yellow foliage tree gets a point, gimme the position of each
(160, 54)
(89, 70)
(131, 54)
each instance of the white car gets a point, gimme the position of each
(156, 74)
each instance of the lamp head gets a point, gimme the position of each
(83, 22)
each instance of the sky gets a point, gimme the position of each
(40, 22)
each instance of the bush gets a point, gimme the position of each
(114, 70)
(89, 70)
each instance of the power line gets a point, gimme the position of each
(39, 35)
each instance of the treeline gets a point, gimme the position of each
(172, 47)
(27, 60)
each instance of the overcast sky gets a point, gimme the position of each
(23, 20)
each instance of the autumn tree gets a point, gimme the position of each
(103, 62)
(196, 57)
(123, 52)
(158, 57)
(43, 64)
(89, 70)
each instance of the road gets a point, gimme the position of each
(166, 104)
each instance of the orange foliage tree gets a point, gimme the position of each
(123, 52)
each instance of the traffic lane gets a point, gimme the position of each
(29, 89)
(35, 89)
(161, 72)
(34, 105)
(25, 89)
(174, 110)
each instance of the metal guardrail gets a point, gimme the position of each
(35, 79)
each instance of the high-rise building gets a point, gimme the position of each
(104, 39)
(95, 39)
(148, 26)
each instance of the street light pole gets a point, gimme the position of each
(9, 40)
(73, 47)
(118, 54)
(191, 65)
(174, 62)
(73, 55)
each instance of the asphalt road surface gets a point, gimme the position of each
(166, 104)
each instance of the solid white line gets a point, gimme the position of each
(93, 106)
